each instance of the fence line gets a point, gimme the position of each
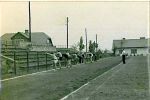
(28, 61)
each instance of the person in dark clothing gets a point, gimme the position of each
(80, 58)
(123, 57)
(94, 56)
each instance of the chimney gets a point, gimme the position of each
(142, 37)
(26, 31)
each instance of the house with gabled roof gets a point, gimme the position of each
(131, 46)
(39, 41)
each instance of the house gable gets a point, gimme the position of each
(19, 35)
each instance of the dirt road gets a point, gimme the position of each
(124, 82)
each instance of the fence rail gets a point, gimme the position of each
(26, 62)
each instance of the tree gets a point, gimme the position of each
(99, 54)
(91, 46)
(96, 46)
(81, 45)
(75, 47)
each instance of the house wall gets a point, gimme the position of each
(140, 51)
(143, 51)
(128, 51)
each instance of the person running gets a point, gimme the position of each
(123, 57)
(83, 57)
(68, 60)
(80, 58)
(74, 58)
(54, 59)
(59, 58)
(91, 57)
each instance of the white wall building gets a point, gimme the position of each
(131, 46)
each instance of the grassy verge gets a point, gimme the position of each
(55, 85)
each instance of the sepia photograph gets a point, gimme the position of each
(75, 50)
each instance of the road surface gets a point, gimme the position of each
(124, 82)
(104, 79)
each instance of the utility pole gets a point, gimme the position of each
(86, 38)
(67, 32)
(29, 23)
(96, 42)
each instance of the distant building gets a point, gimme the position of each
(39, 41)
(131, 46)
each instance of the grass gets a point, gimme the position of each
(55, 85)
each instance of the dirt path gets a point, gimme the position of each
(124, 82)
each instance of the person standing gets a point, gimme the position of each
(123, 57)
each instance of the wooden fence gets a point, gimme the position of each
(25, 60)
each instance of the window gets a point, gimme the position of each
(47, 41)
(133, 51)
(17, 41)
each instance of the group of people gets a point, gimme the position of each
(58, 58)
(85, 57)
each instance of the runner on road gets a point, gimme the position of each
(59, 58)
(91, 57)
(54, 59)
(68, 58)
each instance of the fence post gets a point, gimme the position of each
(27, 61)
(15, 63)
(46, 61)
(38, 60)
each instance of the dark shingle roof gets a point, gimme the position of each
(39, 37)
(36, 37)
(130, 43)
(7, 37)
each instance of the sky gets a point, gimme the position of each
(109, 20)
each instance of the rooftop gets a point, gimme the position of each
(128, 43)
